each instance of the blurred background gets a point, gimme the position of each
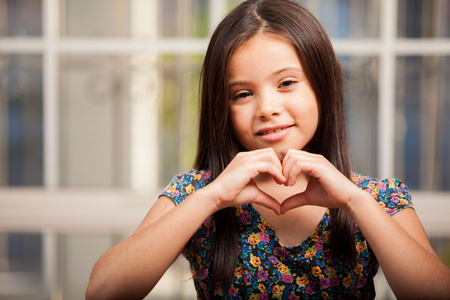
(98, 110)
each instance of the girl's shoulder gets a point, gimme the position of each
(184, 184)
(392, 194)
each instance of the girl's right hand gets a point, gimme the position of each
(235, 185)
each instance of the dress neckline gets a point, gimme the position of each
(302, 245)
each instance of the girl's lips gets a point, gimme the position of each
(270, 131)
(273, 134)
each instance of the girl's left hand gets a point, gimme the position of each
(327, 186)
(416, 273)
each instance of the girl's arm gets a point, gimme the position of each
(400, 244)
(132, 268)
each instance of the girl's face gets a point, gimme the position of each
(272, 103)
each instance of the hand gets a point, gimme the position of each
(327, 186)
(235, 185)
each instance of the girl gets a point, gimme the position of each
(272, 209)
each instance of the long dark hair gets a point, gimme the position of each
(217, 144)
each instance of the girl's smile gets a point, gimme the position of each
(274, 134)
(272, 103)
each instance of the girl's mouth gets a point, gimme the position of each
(275, 134)
(270, 131)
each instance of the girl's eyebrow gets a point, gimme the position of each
(232, 84)
(296, 69)
(287, 69)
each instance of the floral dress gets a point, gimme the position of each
(268, 270)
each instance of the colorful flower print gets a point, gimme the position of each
(268, 270)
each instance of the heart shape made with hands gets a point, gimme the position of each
(302, 222)
(286, 197)
(309, 191)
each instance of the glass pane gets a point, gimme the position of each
(20, 18)
(95, 18)
(232, 4)
(21, 120)
(442, 247)
(423, 117)
(361, 94)
(179, 113)
(78, 253)
(94, 110)
(21, 266)
(346, 18)
(424, 18)
(183, 18)
(138, 18)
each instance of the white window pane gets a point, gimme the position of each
(423, 113)
(183, 18)
(20, 18)
(346, 18)
(21, 120)
(21, 266)
(424, 18)
(179, 113)
(232, 3)
(94, 109)
(112, 18)
(442, 247)
(95, 18)
(78, 254)
(102, 99)
(361, 94)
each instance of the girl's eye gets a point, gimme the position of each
(287, 83)
(241, 95)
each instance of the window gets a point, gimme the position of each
(98, 116)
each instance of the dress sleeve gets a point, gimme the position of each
(182, 185)
(392, 194)
(178, 189)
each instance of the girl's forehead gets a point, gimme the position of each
(265, 36)
(264, 49)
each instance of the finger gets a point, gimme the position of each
(259, 167)
(293, 202)
(261, 198)
(293, 166)
(243, 168)
(313, 165)
(268, 202)
(288, 162)
(257, 162)
(274, 167)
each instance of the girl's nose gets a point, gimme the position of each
(268, 107)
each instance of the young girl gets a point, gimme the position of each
(273, 210)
